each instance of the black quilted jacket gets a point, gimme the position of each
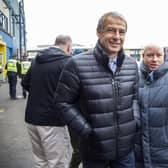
(104, 116)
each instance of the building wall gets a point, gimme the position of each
(2, 57)
(10, 42)
(10, 8)
(15, 14)
(5, 10)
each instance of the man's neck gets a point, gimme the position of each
(113, 56)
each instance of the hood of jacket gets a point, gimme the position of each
(49, 55)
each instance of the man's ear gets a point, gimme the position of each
(69, 49)
(98, 34)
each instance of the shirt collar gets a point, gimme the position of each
(113, 60)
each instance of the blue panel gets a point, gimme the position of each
(7, 39)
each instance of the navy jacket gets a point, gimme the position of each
(41, 81)
(152, 144)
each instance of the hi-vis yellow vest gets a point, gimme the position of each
(25, 65)
(12, 65)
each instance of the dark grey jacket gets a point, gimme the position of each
(152, 149)
(104, 118)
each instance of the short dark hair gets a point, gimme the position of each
(101, 22)
(62, 40)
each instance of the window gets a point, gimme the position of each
(13, 27)
(3, 22)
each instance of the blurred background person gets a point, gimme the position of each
(13, 68)
(24, 67)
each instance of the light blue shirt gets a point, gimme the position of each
(113, 64)
(151, 76)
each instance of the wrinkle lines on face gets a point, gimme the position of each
(113, 35)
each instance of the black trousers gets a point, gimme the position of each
(76, 157)
(24, 92)
(125, 162)
(12, 80)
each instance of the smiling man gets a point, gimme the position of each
(97, 97)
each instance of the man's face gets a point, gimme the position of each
(113, 36)
(153, 57)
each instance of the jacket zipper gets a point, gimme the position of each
(115, 97)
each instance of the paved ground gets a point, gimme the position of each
(15, 148)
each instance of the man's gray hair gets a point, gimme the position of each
(101, 22)
(62, 40)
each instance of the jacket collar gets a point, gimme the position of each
(102, 56)
(156, 74)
